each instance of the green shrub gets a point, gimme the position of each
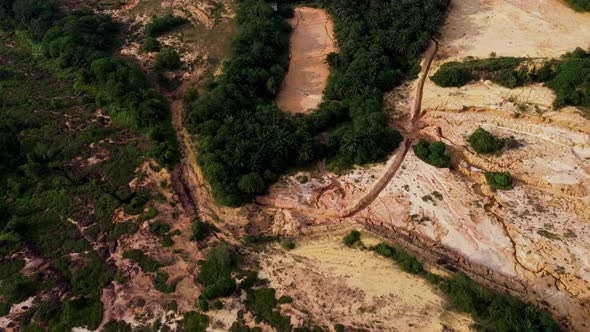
(288, 244)
(147, 264)
(167, 241)
(168, 59)
(249, 279)
(17, 288)
(262, 302)
(405, 260)
(484, 142)
(32, 327)
(502, 71)
(285, 299)
(218, 305)
(162, 285)
(47, 311)
(571, 80)
(147, 215)
(117, 326)
(251, 183)
(433, 153)
(81, 312)
(195, 322)
(10, 266)
(203, 304)
(9, 243)
(163, 24)
(150, 44)
(159, 227)
(215, 275)
(200, 230)
(172, 306)
(494, 311)
(4, 308)
(352, 238)
(499, 180)
(451, 76)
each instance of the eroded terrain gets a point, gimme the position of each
(532, 241)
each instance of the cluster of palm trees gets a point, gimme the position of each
(246, 141)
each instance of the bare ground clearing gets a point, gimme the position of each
(311, 41)
(358, 288)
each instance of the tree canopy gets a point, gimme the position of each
(246, 141)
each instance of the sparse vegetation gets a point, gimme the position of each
(492, 311)
(288, 244)
(502, 71)
(49, 127)
(433, 153)
(406, 261)
(499, 180)
(567, 76)
(168, 59)
(200, 230)
(161, 283)
(262, 302)
(195, 322)
(150, 44)
(482, 141)
(216, 272)
(147, 264)
(352, 238)
(160, 25)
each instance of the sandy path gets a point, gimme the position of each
(311, 41)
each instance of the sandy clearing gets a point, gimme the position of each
(311, 41)
(358, 288)
(534, 28)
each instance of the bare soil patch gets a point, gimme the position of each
(311, 41)
(341, 285)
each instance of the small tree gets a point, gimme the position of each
(433, 153)
(168, 59)
(150, 44)
(288, 244)
(352, 238)
(251, 183)
(499, 180)
(484, 142)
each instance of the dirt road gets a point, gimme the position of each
(393, 164)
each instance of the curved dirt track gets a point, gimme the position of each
(311, 41)
(393, 164)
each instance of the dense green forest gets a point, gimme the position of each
(57, 74)
(568, 76)
(246, 142)
(580, 5)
